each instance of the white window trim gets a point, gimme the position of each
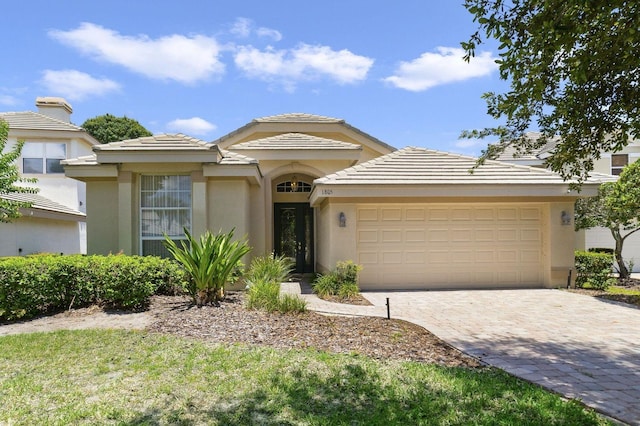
(142, 238)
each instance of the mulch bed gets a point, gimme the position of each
(232, 323)
(629, 284)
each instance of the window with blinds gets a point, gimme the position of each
(165, 208)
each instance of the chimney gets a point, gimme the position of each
(53, 107)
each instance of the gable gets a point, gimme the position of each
(314, 126)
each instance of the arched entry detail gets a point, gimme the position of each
(293, 217)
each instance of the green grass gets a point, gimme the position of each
(622, 290)
(135, 378)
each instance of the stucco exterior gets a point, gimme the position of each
(298, 184)
(60, 203)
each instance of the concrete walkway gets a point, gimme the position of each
(576, 345)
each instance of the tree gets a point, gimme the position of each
(617, 207)
(109, 128)
(10, 177)
(574, 71)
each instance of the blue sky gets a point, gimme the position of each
(205, 68)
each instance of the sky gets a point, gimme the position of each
(205, 68)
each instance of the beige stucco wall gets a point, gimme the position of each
(102, 217)
(335, 243)
(561, 244)
(229, 206)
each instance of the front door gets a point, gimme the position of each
(293, 233)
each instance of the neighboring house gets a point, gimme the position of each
(56, 221)
(319, 190)
(610, 164)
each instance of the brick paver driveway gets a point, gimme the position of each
(579, 346)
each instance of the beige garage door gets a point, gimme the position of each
(450, 246)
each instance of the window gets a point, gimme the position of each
(165, 208)
(41, 158)
(618, 162)
(293, 186)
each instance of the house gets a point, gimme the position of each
(55, 223)
(319, 190)
(608, 163)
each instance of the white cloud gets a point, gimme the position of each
(305, 62)
(445, 66)
(269, 33)
(244, 27)
(191, 126)
(174, 57)
(76, 85)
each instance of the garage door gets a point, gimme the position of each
(449, 246)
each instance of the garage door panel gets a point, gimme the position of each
(367, 236)
(445, 246)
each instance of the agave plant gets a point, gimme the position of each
(210, 261)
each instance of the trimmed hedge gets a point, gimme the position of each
(49, 283)
(594, 268)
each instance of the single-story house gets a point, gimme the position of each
(319, 190)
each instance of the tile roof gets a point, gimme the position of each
(42, 203)
(162, 142)
(510, 153)
(413, 165)
(29, 120)
(230, 157)
(298, 117)
(294, 141)
(86, 160)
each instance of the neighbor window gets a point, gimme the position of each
(43, 158)
(618, 162)
(165, 208)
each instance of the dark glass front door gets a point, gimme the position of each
(293, 233)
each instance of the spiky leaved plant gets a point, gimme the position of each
(210, 261)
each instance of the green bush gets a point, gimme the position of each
(263, 294)
(270, 268)
(263, 285)
(341, 282)
(593, 269)
(48, 283)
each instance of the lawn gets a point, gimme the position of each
(135, 378)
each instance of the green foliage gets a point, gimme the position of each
(593, 269)
(263, 294)
(341, 282)
(572, 67)
(271, 268)
(263, 284)
(616, 207)
(211, 261)
(48, 283)
(109, 128)
(10, 177)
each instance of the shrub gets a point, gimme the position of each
(341, 282)
(593, 269)
(326, 285)
(263, 283)
(263, 294)
(47, 283)
(211, 262)
(270, 268)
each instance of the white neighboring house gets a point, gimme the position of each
(611, 164)
(56, 222)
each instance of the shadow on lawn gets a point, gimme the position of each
(352, 394)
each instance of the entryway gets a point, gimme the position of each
(293, 234)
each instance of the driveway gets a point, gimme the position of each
(576, 345)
